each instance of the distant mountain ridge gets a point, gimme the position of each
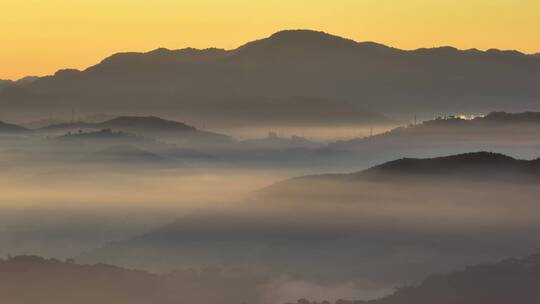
(291, 77)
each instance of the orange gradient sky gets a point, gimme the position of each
(39, 37)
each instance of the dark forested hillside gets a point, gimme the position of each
(56, 282)
(32, 279)
(509, 281)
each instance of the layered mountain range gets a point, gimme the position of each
(290, 78)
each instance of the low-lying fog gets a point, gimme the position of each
(315, 133)
(167, 208)
(108, 204)
(364, 238)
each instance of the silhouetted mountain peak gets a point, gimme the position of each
(303, 35)
(307, 40)
(147, 123)
(147, 126)
(477, 166)
(288, 63)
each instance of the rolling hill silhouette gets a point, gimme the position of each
(6, 128)
(291, 77)
(148, 126)
(480, 165)
(468, 167)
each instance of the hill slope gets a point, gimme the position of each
(508, 281)
(477, 166)
(6, 128)
(484, 166)
(148, 126)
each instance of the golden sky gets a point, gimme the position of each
(39, 37)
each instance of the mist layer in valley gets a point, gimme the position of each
(367, 232)
(147, 193)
